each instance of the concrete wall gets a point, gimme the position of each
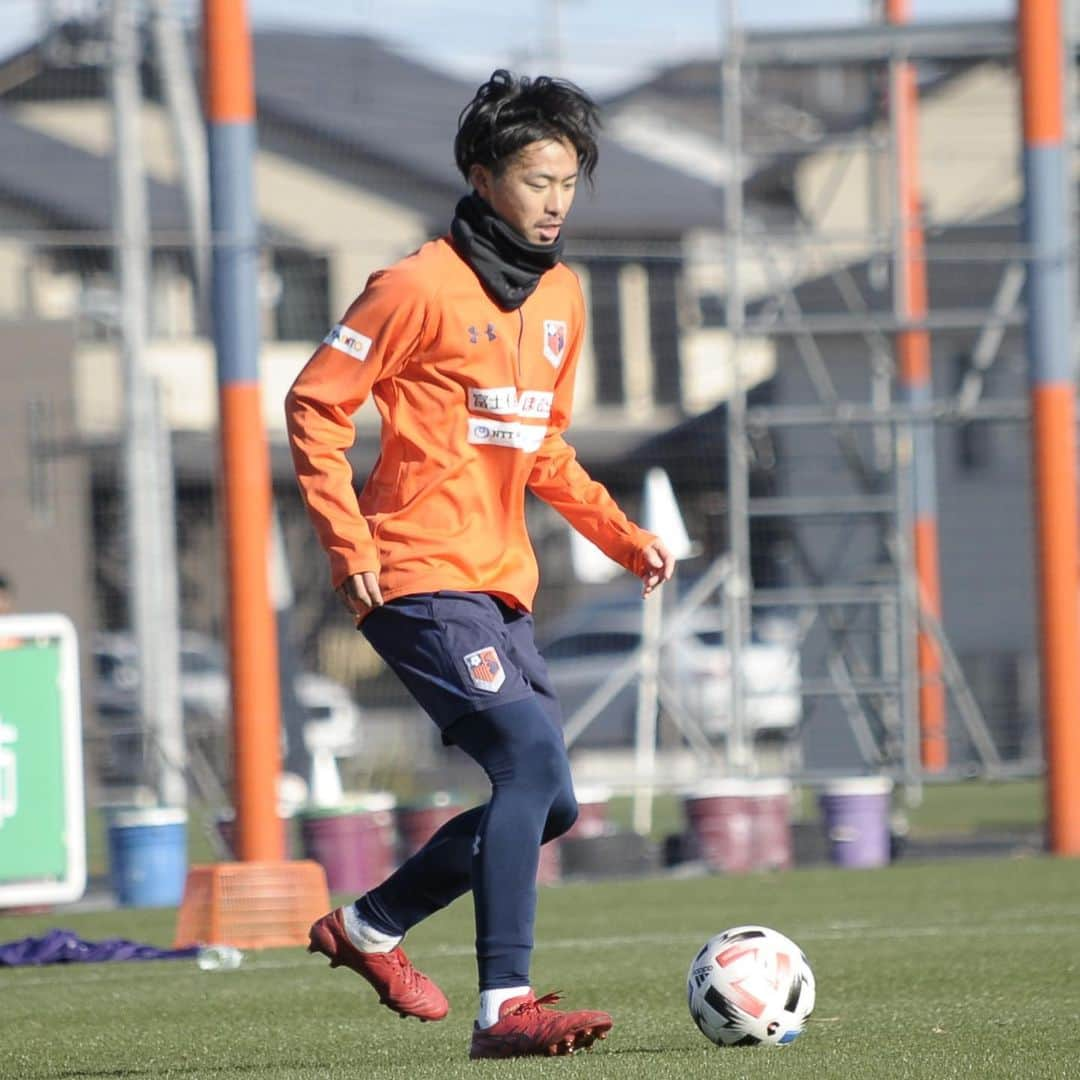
(45, 545)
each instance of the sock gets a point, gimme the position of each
(364, 936)
(491, 1000)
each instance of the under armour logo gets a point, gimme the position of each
(489, 333)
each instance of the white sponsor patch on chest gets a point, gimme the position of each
(527, 437)
(494, 399)
(349, 341)
(506, 401)
(535, 403)
(485, 669)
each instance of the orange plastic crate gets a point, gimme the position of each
(252, 905)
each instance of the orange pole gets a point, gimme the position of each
(1054, 427)
(1049, 235)
(245, 458)
(1042, 78)
(229, 86)
(914, 367)
(934, 744)
(258, 833)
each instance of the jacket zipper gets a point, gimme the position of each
(521, 334)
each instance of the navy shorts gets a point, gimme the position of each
(460, 653)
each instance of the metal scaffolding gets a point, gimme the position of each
(871, 625)
(871, 619)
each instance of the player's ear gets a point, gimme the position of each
(481, 178)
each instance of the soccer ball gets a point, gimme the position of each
(750, 985)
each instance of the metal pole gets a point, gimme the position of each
(189, 137)
(245, 457)
(739, 584)
(151, 536)
(1048, 231)
(652, 614)
(907, 616)
(913, 365)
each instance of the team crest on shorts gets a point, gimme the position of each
(554, 341)
(485, 669)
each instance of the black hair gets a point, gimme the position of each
(509, 112)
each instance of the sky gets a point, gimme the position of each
(602, 44)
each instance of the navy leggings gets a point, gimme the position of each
(493, 849)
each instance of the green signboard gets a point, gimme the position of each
(42, 834)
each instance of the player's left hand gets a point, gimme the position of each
(658, 564)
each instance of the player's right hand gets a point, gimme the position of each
(360, 593)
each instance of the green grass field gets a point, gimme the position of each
(942, 969)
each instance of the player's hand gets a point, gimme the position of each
(658, 565)
(360, 593)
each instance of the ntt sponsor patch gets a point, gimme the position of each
(349, 341)
(515, 436)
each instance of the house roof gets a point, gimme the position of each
(357, 94)
(799, 103)
(72, 187)
(787, 111)
(358, 98)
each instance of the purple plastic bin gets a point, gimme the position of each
(855, 814)
(355, 844)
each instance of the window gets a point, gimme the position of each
(303, 307)
(664, 330)
(606, 331)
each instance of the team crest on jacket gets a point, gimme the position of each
(485, 669)
(554, 341)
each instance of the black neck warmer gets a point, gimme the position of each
(507, 264)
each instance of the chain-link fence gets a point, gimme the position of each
(826, 663)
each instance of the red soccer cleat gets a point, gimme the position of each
(527, 1026)
(400, 986)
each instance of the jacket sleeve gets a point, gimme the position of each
(560, 480)
(381, 330)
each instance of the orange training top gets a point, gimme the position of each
(474, 402)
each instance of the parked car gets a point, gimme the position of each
(204, 680)
(585, 646)
(204, 685)
(332, 720)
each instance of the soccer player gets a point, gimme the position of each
(469, 347)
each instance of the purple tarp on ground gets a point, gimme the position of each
(66, 947)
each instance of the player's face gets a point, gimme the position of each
(535, 190)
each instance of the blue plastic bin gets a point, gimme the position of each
(148, 856)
